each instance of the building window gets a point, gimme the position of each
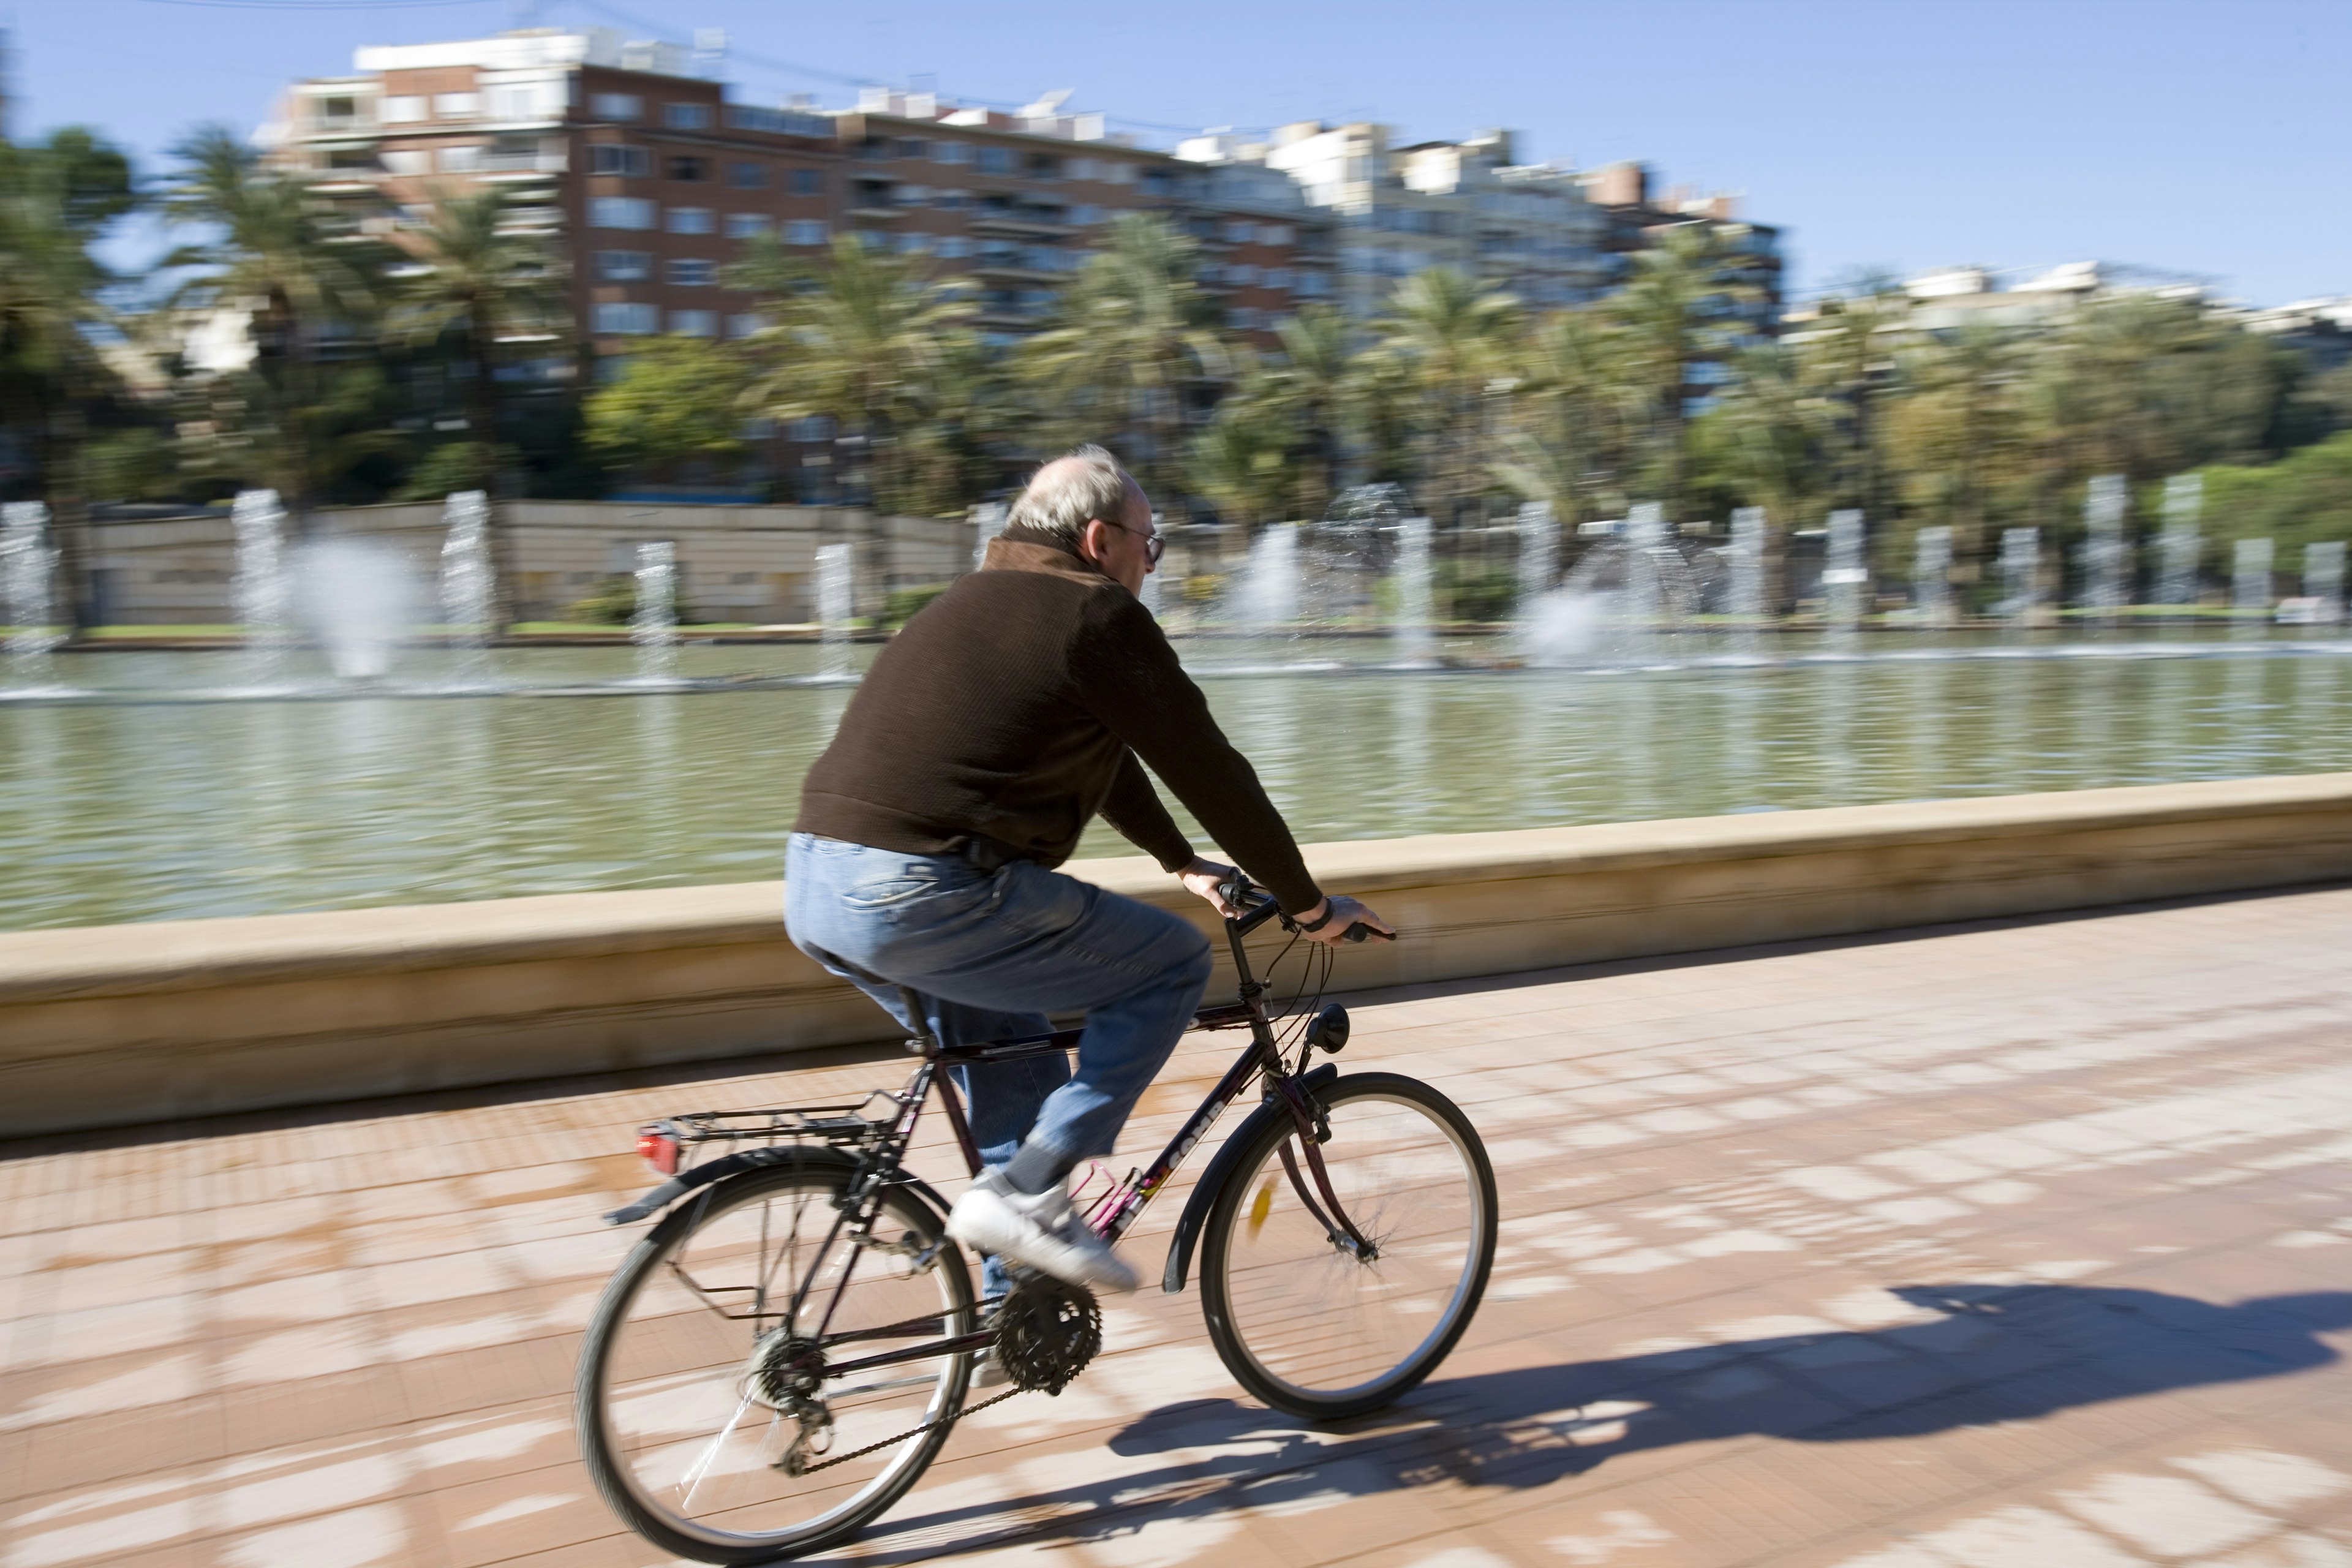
(409, 161)
(691, 220)
(617, 318)
(1158, 183)
(996, 160)
(620, 212)
(694, 323)
(617, 106)
(1118, 173)
(748, 177)
(746, 225)
(914, 244)
(624, 265)
(689, 169)
(952, 201)
(1082, 168)
(692, 272)
(457, 105)
(954, 247)
(951, 153)
(460, 159)
(1044, 166)
(686, 117)
(1275, 234)
(1240, 233)
(910, 197)
(910, 147)
(745, 325)
(804, 231)
(605, 158)
(403, 110)
(808, 182)
(1241, 272)
(1275, 278)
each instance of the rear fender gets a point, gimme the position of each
(1221, 1169)
(702, 1176)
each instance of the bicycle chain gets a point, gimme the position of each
(894, 1442)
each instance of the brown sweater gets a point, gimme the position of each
(1014, 706)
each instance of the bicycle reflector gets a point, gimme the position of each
(657, 1147)
(1328, 1032)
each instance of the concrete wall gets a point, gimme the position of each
(117, 1025)
(736, 562)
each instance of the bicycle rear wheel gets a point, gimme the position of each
(1304, 1323)
(677, 1409)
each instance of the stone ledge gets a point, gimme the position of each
(113, 1024)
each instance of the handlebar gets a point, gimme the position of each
(1258, 906)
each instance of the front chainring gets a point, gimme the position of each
(1046, 1331)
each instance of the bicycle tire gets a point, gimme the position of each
(1254, 1286)
(821, 1177)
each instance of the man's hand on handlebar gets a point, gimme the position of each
(1205, 879)
(1350, 919)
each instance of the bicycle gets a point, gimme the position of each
(745, 1394)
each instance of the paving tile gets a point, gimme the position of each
(2026, 1244)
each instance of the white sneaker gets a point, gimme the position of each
(1039, 1229)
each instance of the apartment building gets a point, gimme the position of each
(1015, 201)
(647, 178)
(1395, 212)
(1634, 217)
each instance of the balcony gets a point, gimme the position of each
(1018, 224)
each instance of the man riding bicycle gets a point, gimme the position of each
(1024, 700)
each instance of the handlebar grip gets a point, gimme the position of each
(1358, 931)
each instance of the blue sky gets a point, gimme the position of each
(2199, 137)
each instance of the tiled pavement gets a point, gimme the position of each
(2022, 1245)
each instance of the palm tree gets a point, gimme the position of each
(1452, 335)
(863, 339)
(1242, 460)
(1132, 336)
(308, 290)
(1676, 312)
(1311, 381)
(1956, 435)
(57, 199)
(1848, 355)
(474, 272)
(1574, 414)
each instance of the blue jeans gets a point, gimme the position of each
(990, 954)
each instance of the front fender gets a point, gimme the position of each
(1221, 1168)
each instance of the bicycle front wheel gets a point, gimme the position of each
(1307, 1321)
(712, 1381)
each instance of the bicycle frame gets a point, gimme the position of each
(1114, 1215)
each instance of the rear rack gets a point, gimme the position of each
(855, 1123)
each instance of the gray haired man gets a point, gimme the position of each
(1014, 707)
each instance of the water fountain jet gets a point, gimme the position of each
(653, 626)
(2179, 546)
(835, 568)
(28, 573)
(264, 590)
(469, 606)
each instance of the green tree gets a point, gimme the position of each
(307, 408)
(1132, 338)
(677, 399)
(1575, 414)
(1955, 438)
(1678, 311)
(2304, 498)
(480, 280)
(57, 198)
(1242, 459)
(1453, 337)
(868, 342)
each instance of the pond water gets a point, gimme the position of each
(157, 804)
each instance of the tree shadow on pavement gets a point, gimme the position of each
(1992, 1353)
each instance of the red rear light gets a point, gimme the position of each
(658, 1149)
